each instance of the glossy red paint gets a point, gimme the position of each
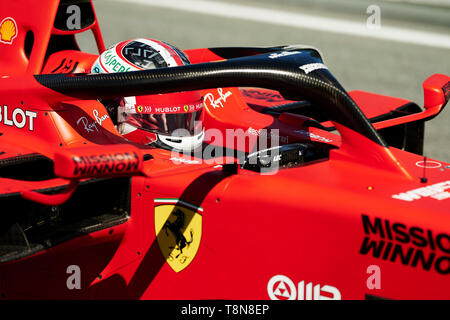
(324, 222)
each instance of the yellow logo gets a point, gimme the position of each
(140, 108)
(178, 227)
(8, 30)
(186, 108)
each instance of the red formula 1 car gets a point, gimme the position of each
(301, 190)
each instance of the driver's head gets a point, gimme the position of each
(172, 120)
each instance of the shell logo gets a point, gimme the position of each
(8, 30)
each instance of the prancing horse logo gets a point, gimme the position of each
(178, 227)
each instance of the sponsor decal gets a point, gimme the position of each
(89, 127)
(429, 164)
(281, 287)
(178, 227)
(112, 61)
(397, 242)
(105, 163)
(18, 118)
(165, 109)
(307, 68)
(282, 54)
(267, 96)
(66, 66)
(99, 119)
(193, 107)
(8, 30)
(313, 136)
(217, 102)
(436, 191)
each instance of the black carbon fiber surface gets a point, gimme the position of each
(279, 72)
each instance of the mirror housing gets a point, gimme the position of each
(436, 90)
(99, 162)
(75, 164)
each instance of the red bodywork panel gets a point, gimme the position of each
(204, 229)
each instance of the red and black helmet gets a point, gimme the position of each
(173, 120)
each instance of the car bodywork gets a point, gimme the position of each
(347, 207)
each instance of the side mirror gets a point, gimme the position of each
(89, 162)
(98, 162)
(436, 90)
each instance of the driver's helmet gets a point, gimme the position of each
(173, 120)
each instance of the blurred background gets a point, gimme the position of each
(387, 47)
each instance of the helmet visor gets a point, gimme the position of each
(177, 124)
(169, 119)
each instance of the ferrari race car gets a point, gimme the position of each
(300, 190)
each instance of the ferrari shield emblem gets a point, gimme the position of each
(178, 227)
